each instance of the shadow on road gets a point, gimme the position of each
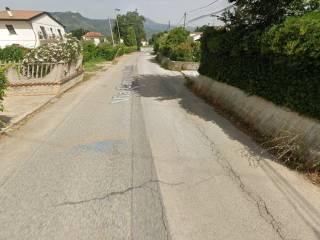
(4, 120)
(172, 86)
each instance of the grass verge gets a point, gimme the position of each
(94, 65)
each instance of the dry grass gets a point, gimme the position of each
(286, 148)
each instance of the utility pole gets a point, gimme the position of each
(111, 31)
(185, 20)
(169, 25)
(118, 10)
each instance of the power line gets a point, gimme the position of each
(179, 22)
(184, 17)
(200, 8)
(210, 14)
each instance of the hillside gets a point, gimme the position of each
(76, 20)
(152, 27)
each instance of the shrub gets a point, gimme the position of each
(177, 36)
(128, 50)
(55, 52)
(177, 45)
(89, 51)
(155, 40)
(281, 64)
(196, 51)
(181, 52)
(104, 51)
(130, 39)
(3, 84)
(119, 50)
(13, 53)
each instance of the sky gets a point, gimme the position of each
(158, 10)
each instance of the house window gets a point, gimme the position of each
(11, 29)
(60, 33)
(52, 33)
(44, 32)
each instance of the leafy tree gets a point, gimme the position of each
(131, 20)
(131, 39)
(300, 7)
(260, 13)
(79, 33)
(155, 38)
(263, 13)
(177, 45)
(177, 36)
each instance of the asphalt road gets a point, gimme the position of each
(133, 154)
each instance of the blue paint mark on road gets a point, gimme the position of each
(99, 146)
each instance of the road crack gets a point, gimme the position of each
(117, 193)
(261, 205)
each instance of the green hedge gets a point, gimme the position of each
(13, 53)
(104, 51)
(280, 64)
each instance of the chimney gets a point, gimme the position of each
(9, 12)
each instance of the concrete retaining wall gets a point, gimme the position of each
(264, 116)
(61, 77)
(177, 65)
(45, 88)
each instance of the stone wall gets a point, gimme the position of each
(266, 117)
(177, 65)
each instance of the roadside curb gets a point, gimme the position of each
(24, 118)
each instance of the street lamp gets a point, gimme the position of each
(117, 10)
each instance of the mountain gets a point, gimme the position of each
(152, 27)
(75, 20)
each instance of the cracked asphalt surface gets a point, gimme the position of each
(133, 154)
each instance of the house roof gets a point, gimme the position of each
(24, 15)
(93, 34)
(19, 15)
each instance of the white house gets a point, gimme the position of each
(96, 37)
(29, 29)
(196, 36)
(144, 43)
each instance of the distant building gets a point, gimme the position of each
(29, 29)
(196, 36)
(144, 43)
(96, 37)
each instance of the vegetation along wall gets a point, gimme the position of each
(280, 63)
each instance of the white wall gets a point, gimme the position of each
(96, 41)
(48, 23)
(24, 37)
(27, 32)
